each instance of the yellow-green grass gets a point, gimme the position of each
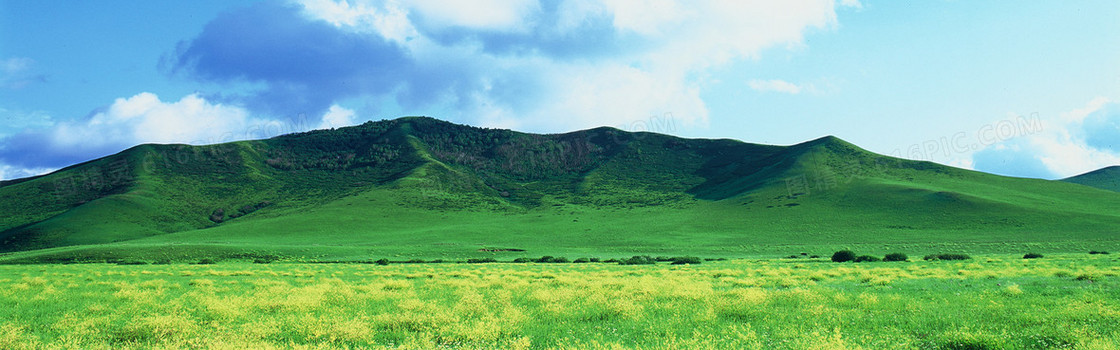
(991, 302)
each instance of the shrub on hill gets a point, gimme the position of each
(638, 260)
(206, 261)
(481, 260)
(522, 260)
(1097, 252)
(944, 256)
(581, 260)
(865, 258)
(896, 257)
(382, 261)
(685, 260)
(551, 259)
(843, 256)
(1032, 256)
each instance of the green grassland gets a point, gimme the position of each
(419, 188)
(1065, 301)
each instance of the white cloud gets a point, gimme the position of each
(653, 61)
(1060, 148)
(496, 15)
(337, 117)
(774, 85)
(851, 3)
(387, 19)
(8, 172)
(144, 118)
(646, 17)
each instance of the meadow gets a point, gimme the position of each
(990, 302)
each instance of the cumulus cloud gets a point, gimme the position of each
(774, 85)
(8, 172)
(145, 118)
(542, 66)
(302, 65)
(1076, 142)
(142, 118)
(337, 117)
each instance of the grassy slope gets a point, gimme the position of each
(1106, 178)
(601, 192)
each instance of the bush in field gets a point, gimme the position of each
(131, 262)
(206, 261)
(682, 260)
(481, 260)
(638, 260)
(663, 258)
(944, 256)
(896, 257)
(414, 261)
(1097, 252)
(382, 261)
(955, 257)
(843, 256)
(263, 261)
(551, 259)
(595, 260)
(522, 260)
(1032, 256)
(866, 258)
(581, 260)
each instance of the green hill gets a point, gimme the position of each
(423, 188)
(1104, 178)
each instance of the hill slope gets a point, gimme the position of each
(1104, 178)
(423, 188)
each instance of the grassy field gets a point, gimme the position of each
(1066, 301)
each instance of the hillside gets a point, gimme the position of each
(1104, 178)
(423, 188)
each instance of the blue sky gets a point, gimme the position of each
(1025, 89)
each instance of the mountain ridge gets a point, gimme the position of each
(1107, 178)
(450, 183)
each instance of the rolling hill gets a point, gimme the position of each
(1104, 178)
(418, 187)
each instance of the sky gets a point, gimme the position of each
(1027, 89)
